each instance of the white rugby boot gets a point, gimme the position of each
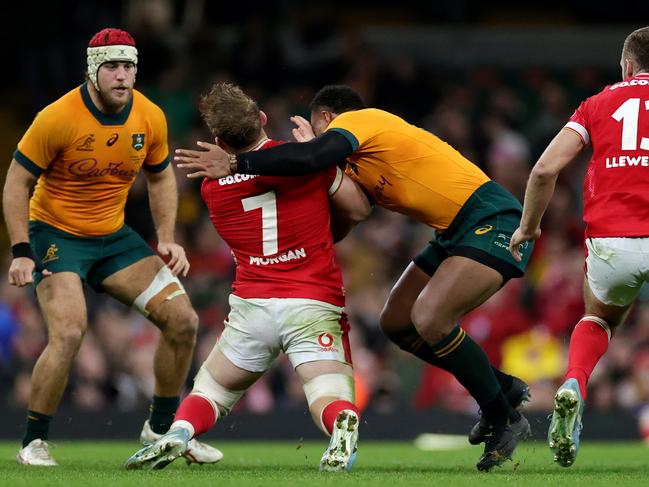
(37, 452)
(565, 427)
(340, 455)
(196, 452)
(161, 452)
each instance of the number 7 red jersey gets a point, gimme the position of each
(278, 229)
(616, 186)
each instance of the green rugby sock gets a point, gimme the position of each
(412, 342)
(465, 359)
(162, 412)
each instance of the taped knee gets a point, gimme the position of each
(206, 386)
(340, 386)
(164, 287)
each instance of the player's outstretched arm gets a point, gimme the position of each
(566, 145)
(163, 200)
(292, 159)
(297, 159)
(349, 206)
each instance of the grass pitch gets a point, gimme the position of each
(379, 464)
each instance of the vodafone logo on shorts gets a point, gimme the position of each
(326, 341)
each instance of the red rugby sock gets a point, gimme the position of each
(589, 341)
(197, 411)
(332, 409)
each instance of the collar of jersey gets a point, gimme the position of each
(103, 118)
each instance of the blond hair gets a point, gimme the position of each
(231, 115)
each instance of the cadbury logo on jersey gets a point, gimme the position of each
(236, 178)
(88, 168)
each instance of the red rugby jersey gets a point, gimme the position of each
(278, 229)
(616, 186)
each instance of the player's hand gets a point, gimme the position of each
(520, 237)
(178, 262)
(210, 163)
(303, 132)
(21, 269)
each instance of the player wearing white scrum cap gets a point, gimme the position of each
(84, 151)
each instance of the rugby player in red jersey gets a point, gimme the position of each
(287, 295)
(616, 203)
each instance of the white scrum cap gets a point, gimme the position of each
(109, 45)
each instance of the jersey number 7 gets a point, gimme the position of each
(268, 204)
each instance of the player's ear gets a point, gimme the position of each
(263, 118)
(629, 68)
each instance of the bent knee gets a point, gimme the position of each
(431, 321)
(179, 325)
(67, 337)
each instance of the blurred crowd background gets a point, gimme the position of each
(500, 113)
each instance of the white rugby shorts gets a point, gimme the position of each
(617, 267)
(307, 330)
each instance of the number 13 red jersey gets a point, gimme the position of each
(278, 229)
(616, 187)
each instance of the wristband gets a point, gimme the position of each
(23, 249)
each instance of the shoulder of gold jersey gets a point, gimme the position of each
(64, 109)
(144, 103)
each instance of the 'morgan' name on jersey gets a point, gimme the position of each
(624, 161)
(284, 257)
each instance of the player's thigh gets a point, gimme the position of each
(395, 316)
(63, 305)
(61, 252)
(459, 285)
(614, 271)
(250, 339)
(127, 267)
(127, 283)
(312, 330)
(487, 242)
(228, 374)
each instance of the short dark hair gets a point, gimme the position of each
(337, 99)
(231, 115)
(636, 46)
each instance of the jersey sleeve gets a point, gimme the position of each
(42, 142)
(157, 159)
(579, 122)
(355, 126)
